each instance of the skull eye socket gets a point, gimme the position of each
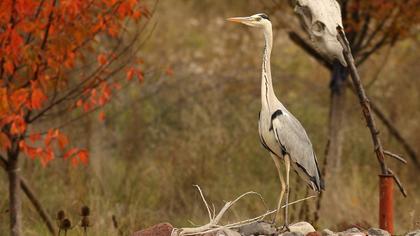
(318, 28)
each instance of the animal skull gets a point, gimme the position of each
(320, 19)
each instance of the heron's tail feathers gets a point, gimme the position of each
(316, 183)
(319, 182)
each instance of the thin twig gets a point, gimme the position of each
(397, 180)
(297, 201)
(205, 202)
(397, 157)
(249, 221)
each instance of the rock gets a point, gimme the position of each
(227, 232)
(292, 234)
(414, 233)
(257, 228)
(162, 229)
(316, 233)
(351, 232)
(327, 232)
(302, 227)
(378, 232)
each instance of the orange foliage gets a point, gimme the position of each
(388, 20)
(42, 45)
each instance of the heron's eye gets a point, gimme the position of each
(258, 19)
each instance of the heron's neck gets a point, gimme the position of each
(267, 91)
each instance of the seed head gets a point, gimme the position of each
(65, 224)
(60, 215)
(85, 211)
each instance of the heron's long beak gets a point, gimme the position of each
(243, 20)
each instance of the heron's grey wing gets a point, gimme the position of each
(294, 141)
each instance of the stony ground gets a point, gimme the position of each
(266, 229)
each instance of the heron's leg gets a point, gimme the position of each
(282, 183)
(287, 164)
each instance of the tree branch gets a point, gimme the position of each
(364, 102)
(397, 180)
(397, 135)
(397, 157)
(360, 36)
(392, 130)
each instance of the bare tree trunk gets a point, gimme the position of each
(14, 190)
(31, 196)
(334, 147)
(336, 117)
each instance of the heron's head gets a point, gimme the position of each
(259, 20)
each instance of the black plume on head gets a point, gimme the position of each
(265, 16)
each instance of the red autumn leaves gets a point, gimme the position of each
(53, 139)
(44, 46)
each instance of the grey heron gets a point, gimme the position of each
(280, 132)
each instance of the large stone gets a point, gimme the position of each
(352, 232)
(292, 234)
(378, 232)
(316, 233)
(257, 228)
(302, 227)
(327, 232)
(162, 229)
(414, 233)
(227, 232)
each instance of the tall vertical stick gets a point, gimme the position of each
(386, 185)
(364, 101)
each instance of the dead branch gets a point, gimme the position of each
(397, 157)
(32, 198)
(205, 202)
(302, 43)
(365, 104)
(298, 40)
(392, 130)
(397, 135)
(214, 226)
(397, 180)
